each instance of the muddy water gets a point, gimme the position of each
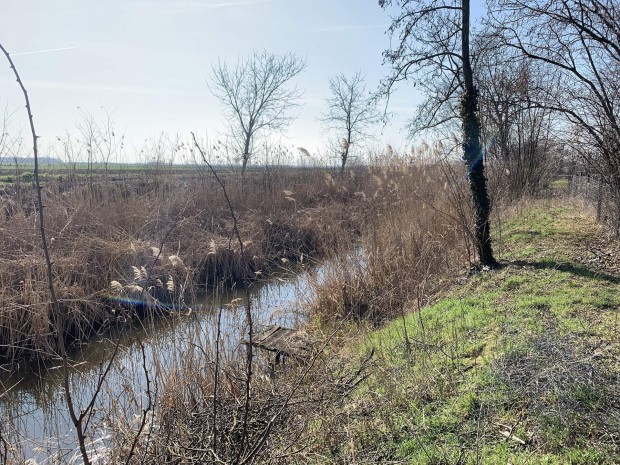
(33, 412)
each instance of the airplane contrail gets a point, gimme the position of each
(43, 51)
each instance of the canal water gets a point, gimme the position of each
(33, 412)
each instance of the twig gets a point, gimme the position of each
(48, 262)
(248, 308)
(145, 411)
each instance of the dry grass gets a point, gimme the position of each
(564, 390)
(413, 245)
(287, 407)
(407, 246)
(101, 228)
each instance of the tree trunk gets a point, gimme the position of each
(344, 155)
(246, 150)
(472, 152)
(616, 202)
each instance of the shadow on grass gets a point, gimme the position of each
(567, 268)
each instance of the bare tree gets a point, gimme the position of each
(431, 40)
(99, 138)
(350, 112)
(4, 135)
(580, 40)
(520, 149)
(10, 144)
(256, 97)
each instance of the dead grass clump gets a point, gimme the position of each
(186, 432)
(26, 325)
(284, 239)
(287, 405)
(410, 246)
(83, 272)
(24, 317)
(566, 396)
(314, 232)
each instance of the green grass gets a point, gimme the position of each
(561, 183)
(515, 349)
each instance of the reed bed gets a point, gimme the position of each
(407, 244)
(416, 244)
(158, 237)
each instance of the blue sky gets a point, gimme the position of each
(147, 62)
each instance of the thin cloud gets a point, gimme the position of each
(43, 51)
(350, 27)
(118, 89)
(189, 7)
(237, 3)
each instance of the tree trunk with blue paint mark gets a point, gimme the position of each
(472, 153)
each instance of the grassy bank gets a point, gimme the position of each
(517, 365)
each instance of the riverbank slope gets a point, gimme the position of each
(517, 365)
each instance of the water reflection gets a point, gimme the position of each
(32, 405)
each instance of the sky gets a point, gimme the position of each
(147, 63)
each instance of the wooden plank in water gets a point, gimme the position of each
(285, 341)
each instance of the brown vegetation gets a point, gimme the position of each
(396, 261)
(411, 248)
(118, 238)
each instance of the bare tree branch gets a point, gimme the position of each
(350, 112)
(431, 39)
(255, 97)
